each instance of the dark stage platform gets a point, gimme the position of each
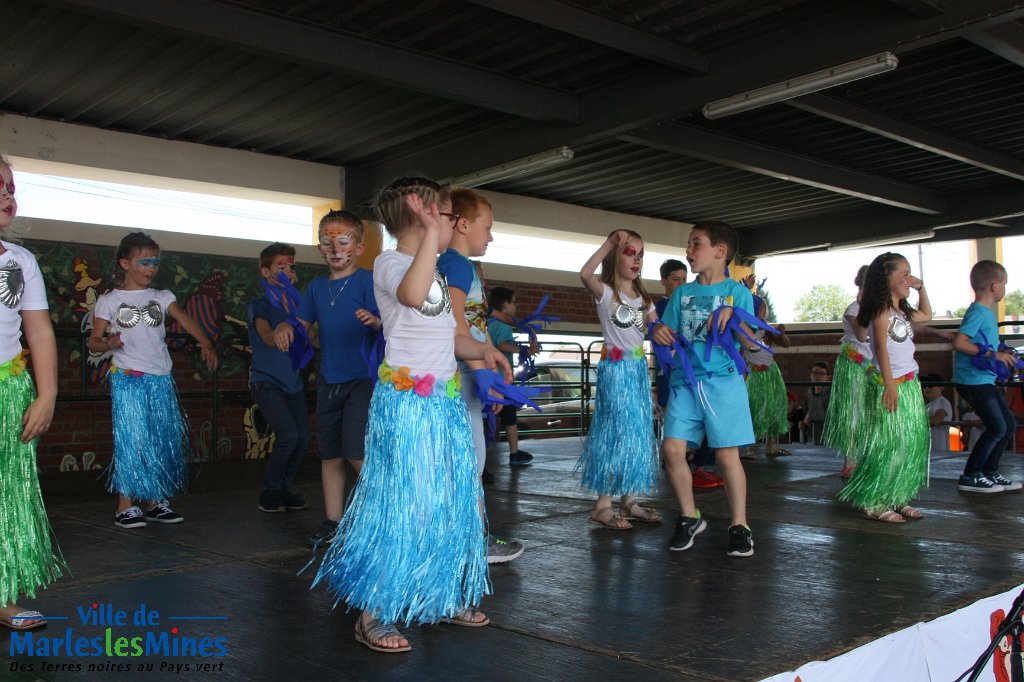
(583, 602)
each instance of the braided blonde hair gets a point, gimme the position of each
(392, 209)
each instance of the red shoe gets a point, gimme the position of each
(706, 479)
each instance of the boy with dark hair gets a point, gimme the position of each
(673, 276)
(717, 406)
(979, 332)
(499, 325)
(276, 387)
(816, 403)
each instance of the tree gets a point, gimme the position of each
(1015, 302)
(823, 303)
(769, 315)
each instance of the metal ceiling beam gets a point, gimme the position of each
(777, 163)
(831, 39)
(352, 54)
(965, 208)
(874, 122)
(920, 8)
(603, 31)
(1005, 40)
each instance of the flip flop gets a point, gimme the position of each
(17, 621)
(469, 618)
(370, 635)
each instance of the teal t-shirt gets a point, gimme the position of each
(501, 333)
(978, 320)
(687, 314)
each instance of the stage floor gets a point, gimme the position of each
(582, 603)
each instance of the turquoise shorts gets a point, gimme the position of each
(716, 407)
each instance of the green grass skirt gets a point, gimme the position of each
(894, 445)
(769, 408)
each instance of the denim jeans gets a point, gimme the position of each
(286, 414)
(1000, 427)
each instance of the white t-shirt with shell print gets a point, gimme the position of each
(21, 288)
(139, 316)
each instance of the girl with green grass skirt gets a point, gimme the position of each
(893, 437)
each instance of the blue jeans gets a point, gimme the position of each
(286, 414)
(1000, 427)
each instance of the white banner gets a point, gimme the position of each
(937, 651)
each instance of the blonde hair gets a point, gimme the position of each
(392, 209)
(610, 272)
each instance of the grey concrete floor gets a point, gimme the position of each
(583, 602)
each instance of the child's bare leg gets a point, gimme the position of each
(123, 503)
(512, 436)
(332, 477)
(678, 472)
(771, 444)
(735, 483)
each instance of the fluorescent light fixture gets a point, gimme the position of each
(802, 85)
(884, 241)
(512, 169)
(795, 249)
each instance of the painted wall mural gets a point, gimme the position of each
(215, 290)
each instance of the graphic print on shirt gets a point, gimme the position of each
(128, 316)
(12, 284)
(694, 312)
(476, 310)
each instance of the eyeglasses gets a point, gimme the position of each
(454, 217)
(148, 262)
(630, 251)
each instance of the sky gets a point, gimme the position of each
(944, 267)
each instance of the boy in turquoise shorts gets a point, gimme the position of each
(716, 405)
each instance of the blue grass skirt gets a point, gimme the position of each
(151, 449)
(845, 406)
(620, 456)
(769, 406)
(895, 448)
(411, 546)
(27, 560)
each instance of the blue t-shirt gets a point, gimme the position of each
(978, 320)
(332, 304)
(501, 333)
(687, 313)
(660, 306)
(461, 274)
(268, 363)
